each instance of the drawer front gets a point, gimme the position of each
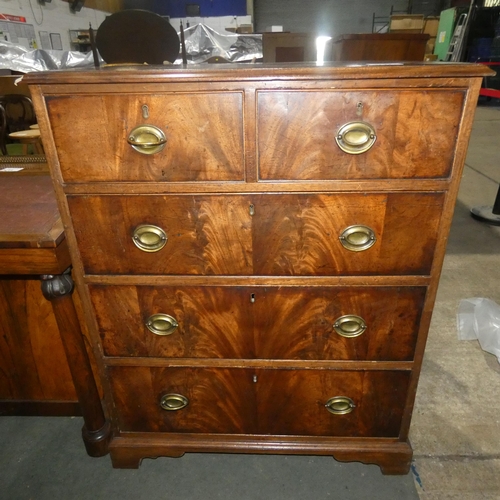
(261, 234)
(203, 133)
(415, 133)
(248, 401)
(306, 323)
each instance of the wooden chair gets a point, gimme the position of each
(19, 115)
(3, 131)
(29, 138)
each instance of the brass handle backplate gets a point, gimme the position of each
(349, 326)
(149, 238)
(357, 238)
(355, 138)
(161, 324)
(147, 139)
(173, 402)
(340, 405)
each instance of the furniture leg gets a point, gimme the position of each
(96, 431)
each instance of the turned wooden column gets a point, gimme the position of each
(96, 430)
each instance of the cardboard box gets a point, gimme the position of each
(406, 23)
(244, 28)
(274, 29)
(431, 26)
(429, 48)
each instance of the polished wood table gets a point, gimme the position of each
(40, 329)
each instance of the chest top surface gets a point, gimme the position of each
(228, 72)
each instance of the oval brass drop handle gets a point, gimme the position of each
(161, 324)
(146, 144)
(147, 139)
(173, 402)
(350, 326)
(355, 138)
(149, 238)
(357, 238)
(340, 405)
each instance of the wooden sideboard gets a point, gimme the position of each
(258, 247)
(40, 329)
(380, 47)
(35, 377)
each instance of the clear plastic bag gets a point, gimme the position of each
(479, 318)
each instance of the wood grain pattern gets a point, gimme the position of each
(30, 218)
(247, 401)
(34, 260)
(288, 235)
(416, 134)
(299, 235)
(207, 235)
(204, 136)
(32, 359)
(282, 323)
(293, 402)
(220, 400)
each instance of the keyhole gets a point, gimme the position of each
(255, 379)
(145, 111)
(252, 298)
(359, 109)
(251, 209)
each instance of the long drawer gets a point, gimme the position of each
(356, 323)
(203, 134)
(259, 401)
(367, 134)
(258, 234)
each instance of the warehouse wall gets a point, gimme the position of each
(53, 17)
(324, 17)
(333, 17)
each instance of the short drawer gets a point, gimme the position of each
(306, 323)
(259, 401)
(258, 234)
(365, 134)
(203, 134)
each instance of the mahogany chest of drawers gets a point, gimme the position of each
(258, 248)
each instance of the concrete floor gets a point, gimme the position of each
(43, 458)
(455, 429)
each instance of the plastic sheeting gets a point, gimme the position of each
(202, 43)
(17, 58)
